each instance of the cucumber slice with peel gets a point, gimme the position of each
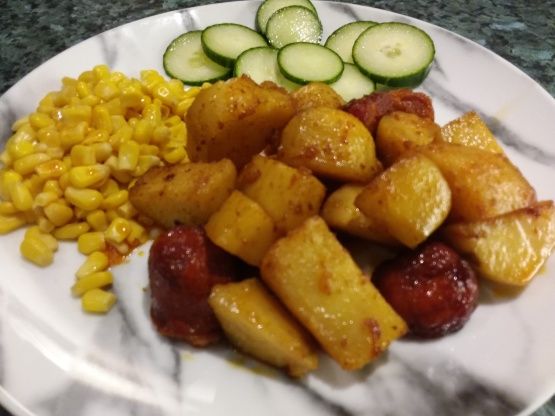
(184, 59)
(353, 83)
(342, 40)
(224, 42)
(269, 7)
(305, 62)
(394, 54)
(293, 24)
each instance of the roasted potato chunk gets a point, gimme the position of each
(483, 184)
(316, 94)
(340, 212)
(242, 227)
(288, 194)
(318, 281)
(399, 132)
(183, 194)
(331, 143)
(508, 249)
(470, 130)
(256, 323)
(411, 199)
(235, 119)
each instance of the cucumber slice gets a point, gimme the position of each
(353, 83)
(305, 62)
(293, 24)
(224, 42)
(394, 54)
(269, 7)
(184, 59)
(261, 65)
(342, 40)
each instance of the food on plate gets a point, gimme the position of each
(293, 24)
(483, 184)
(269, 7)
(316, 94)
(398, 132)
(410, 199)
(470, 130)
(353, 84)
(510, 248)
(331, 143)
(304, 62)
(235, 120)
(341, 41)
(289, 195)
(242, 227)
(185, 194)
(319, 282)
(256, 322)
(183, 266)
(431, 287)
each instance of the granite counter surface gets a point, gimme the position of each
(523, 32)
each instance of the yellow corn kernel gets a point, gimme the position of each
(44, 198)
(101, 118)
(153, 112)
(115, 199)
(87, 76)
(73, 114)
(176, 87)
(9, 223)
(96, 136)
(102, 151)
(161, 135)
(97, 220)
(82, 155)
(20, 122)
(148, 149)
(92, 281)
(48, 239)
(90, 242)
(138, 234)
(117, 231)
(87, 199)
(7, 208)
(91, 100)
(142, 131)
(173, 121)
(79, 213)
(121, 248)
(46, 105)
(19, 148)
(49, 136)
(100, 72)
(145, 163)
(70, 136)
(128, 155)
(121, 136)
(131, 97)
(63, 181)
(44, 224)
(118, 121)
(114, 107)
(178, 133)
(36, 251)
(6, 159)
(69, 82)
(21, 197)
(58, 213)
(106, 90)
(87, 176)
(51, 169)
(127, 210)
(95, 262)
(175, 154)
(9, 179)
(52, 186)
(98, 301)
(34, 184)
(122, 176)
(71, 231)
(111, 215)
(40, 120)
(82, 89)
(109, 187)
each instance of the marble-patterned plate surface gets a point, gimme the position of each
(55, 360)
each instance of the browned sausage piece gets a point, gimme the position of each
(432, 288)
(183, 266)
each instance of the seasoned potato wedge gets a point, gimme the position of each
(288, 194)
(340, 212)
(256, 323)
(318, 281)
(483, 184)
(183, 194)
(316, 94)
(331, 143)
(242, 227)
(508, 249)
(235, 119)
(411, 198)
(470, 130)
(399, 132)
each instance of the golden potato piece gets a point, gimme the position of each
(242, 227)
(235, 119)
(288, 194)
(340, 212)
(508, 249)
(256, 323)
(483, 184)
(318, 281)
(470, 130)
(183, 194)
(399, 132)
(411, 198)
(331, 143)
(316, 94)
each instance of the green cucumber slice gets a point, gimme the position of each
(293, 24)
(342, 40)
(260, 64)
(353, 83)
(305, 62)
(184, 59)
(224, 42)
(269, 7)
(394, 54)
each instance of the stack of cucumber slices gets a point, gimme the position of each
(286, 49)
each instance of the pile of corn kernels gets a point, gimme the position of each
(67, 168)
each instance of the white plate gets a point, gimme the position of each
(54, 360)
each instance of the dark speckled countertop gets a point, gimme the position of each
(523, 32)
